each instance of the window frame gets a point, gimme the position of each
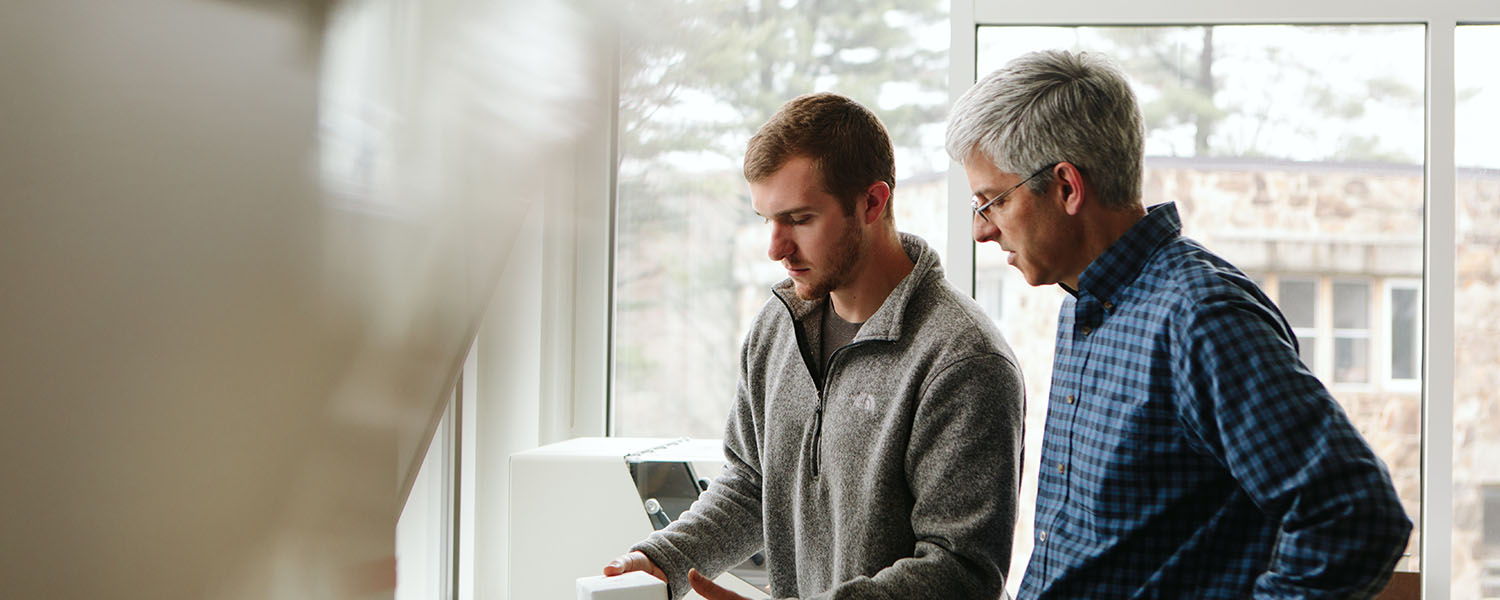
(1314, 335)
(1367, 333)
(996, 288)
(1388, 337)
(1379, 332)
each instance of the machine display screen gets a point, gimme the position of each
(673, 486)
(670, 483)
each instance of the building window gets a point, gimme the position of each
(990, 292)
(1351, 331)
(1298, 300)
(1353, 340)
(1406, 331)
(1489, 577)
(1491, 528)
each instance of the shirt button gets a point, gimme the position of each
(1041, 536)
(1109, 305)
(1070, 399)
(1061, 468)
(1086, 330)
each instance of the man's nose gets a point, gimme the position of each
(984, 231)
(781, 243)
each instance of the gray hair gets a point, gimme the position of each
(1052, 106)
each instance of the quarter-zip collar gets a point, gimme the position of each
(883, 326)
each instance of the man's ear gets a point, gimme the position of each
(1070, 186)
(874, 203)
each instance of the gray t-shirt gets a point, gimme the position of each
(836, 333)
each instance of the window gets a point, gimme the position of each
(426, 550)
(1298, 301)
(1476, 305)
(1405, 307)
(1351, 331)
(697, 79)
(1489, 578)
(991, 289)
(1490, 537)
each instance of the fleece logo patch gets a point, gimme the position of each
(865, 402)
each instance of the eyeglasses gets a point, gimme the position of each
(979, 204)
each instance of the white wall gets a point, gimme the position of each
(526, 365)
(509, 401)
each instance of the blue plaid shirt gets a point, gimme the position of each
(1189, 453)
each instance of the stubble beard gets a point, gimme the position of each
(841, 264)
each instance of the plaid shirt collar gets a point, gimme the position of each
(1123, 260)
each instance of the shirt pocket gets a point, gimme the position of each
(1125, 453)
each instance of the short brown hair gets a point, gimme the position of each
(846, 142)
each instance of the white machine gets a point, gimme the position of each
(635, 585)
(575, 505)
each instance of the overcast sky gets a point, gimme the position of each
(1345, 61)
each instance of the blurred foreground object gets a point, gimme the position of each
(245, 247)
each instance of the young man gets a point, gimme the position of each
(1188, 453)
(874, 444)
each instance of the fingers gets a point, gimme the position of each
(626, 563)
(710, 590)
(615, 567)
(633, 561)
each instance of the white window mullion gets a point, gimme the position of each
(1439, 274)
(961, 61)
(587, 410)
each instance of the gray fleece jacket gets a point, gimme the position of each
(894, 476)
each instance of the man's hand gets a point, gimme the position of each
(634, 561)
(710, 590)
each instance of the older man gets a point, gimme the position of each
(1188, 452)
